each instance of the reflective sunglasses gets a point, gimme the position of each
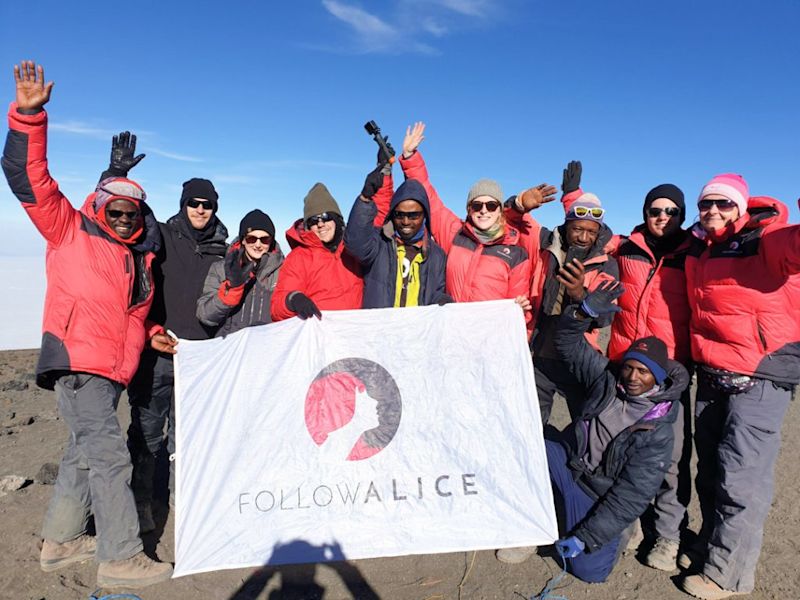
(414, 215)
(721, 204)
(477, 205)
(206, 204)
(594, 212)
(316, 219)
(672, 211)
(252, 239)
(117, 214)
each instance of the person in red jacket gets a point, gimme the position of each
(99, 290)
(651, 267)
(567, 263)
(319, 273)
(485, 260)
(741, 274)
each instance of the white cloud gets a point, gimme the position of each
(472, 8)
(359, 19)
(172, 155)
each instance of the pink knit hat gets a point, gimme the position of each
(731, 186)
(585, 200)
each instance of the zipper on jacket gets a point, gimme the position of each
(762, 337)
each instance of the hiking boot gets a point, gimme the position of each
(663, 555)
(135, 572)
(55, 555)
(637, 536)
(693, 557)
(146, 521)
(514, 556)
(701, 586)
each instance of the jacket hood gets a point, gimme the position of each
(596, 250)
(410, 189)
(677, 381)
(148, 241)
(299, 237)
(764, 210)
(217, 236)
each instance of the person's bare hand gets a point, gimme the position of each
(32, 92)
(536, 196)
(414, 137)
(161, 342)
(571, 276)
(524, 302)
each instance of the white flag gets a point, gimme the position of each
(368, 433)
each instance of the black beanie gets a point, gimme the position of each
(668, 191)
(199, 188)
(652, 353)
(256, 220)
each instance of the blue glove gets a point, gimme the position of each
(570, 547)
(600, 301)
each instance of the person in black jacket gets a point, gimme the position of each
(193, 240)
(608, 464)
(403, 265)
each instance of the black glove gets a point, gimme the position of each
(302, 305)
(123, 148)
(383, 158)
(373, 182)
(236, 273)
(599, 302)
(572, 177)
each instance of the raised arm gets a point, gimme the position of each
(362, 236)
(224, 287)
(445, 224)
(25, 157)
(122, 160)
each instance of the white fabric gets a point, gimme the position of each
(254, 488)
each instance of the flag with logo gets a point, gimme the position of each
(368, 433)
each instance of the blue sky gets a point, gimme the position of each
(266, 98)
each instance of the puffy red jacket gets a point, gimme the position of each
(475, 271)
(90, 324)
(655, 301)
(742, 294)
(331, 279)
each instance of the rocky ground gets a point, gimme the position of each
(32, 437)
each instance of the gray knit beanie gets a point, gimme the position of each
(319, 200)
(485, 187)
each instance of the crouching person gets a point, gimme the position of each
(99, 291)
(608, 464)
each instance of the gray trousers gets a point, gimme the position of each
(553, 376)
(151, 398)
(737, 437)
(673, 497)
(95, 473)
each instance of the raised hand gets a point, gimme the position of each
(373, 182)
(571, 276)
(414, 137)
(123, 148)
(571, 180)
(536, 196)
(238, 270)
(32, 92)
(601, 300)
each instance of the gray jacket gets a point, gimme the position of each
(253, 309)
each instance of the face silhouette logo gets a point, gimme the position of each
(352, 409)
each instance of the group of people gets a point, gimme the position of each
(717, 299)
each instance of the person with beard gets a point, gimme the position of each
(568, 262)
(194, 239)
(402, 264)
(99, 292)
(238, 290)
(651, 264)
(606, 466)
(319, 273)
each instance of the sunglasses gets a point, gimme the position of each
(477, 205)
(316, 219)
(721, 204)
(206, 204)
(252, 239)
(590, 212)
(672, 211)
(414, 215)
(117, 214)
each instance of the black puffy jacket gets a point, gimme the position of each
(635, 461)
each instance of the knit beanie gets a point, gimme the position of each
(668, 191)
(485, 187)
(256, 220)
(117, 188)
(652, 353)
(585, 200)
(199, 188)
(731, 186)
(319, 200)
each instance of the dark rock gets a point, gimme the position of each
(47, 475)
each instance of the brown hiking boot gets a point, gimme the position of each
(55, 555)
(702, 587)
(663, 555)
(513, 556)
(135, 572)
